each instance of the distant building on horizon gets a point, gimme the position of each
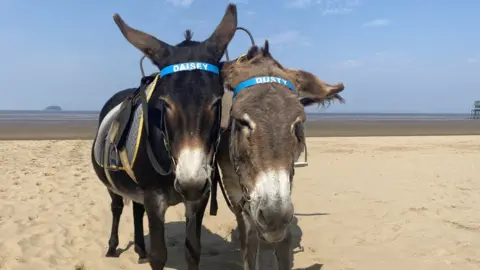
(53, 108)
(476, 110)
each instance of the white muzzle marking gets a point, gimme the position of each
(192, 166)
(271, 187)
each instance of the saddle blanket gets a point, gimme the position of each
(132, 142)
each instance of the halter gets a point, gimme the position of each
(180, 67)
(261, 80)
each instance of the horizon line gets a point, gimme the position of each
(98, 111)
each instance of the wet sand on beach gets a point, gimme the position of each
(85, 130)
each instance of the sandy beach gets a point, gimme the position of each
(371, 203)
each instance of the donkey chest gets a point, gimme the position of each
(230, 183)
(137, 195)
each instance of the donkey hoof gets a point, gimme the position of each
(143, 260)
(140, 251)
(111, 253)
(142, 254)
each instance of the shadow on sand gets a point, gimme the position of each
(219, 253)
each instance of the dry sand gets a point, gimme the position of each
(371, 203)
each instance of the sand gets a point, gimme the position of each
(371, 203)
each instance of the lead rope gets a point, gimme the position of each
(141, 66)
(216, 171)
(251, 40)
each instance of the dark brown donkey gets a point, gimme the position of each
(263, 140)
(177, 118)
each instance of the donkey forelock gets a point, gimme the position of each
(188, 100)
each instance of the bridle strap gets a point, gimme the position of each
(151, 156)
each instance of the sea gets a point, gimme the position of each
(35, 116)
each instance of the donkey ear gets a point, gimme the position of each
(266, 49)
(149, 45)
(224, 32)
(313, 90)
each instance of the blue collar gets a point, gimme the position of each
(260, 80)
(188, 67)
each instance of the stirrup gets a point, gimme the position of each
(111, 164)
(304, 163)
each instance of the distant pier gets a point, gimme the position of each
(476, 110)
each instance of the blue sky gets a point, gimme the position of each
(393, 56)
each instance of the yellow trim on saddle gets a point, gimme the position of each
(140, 126)
(126, 165)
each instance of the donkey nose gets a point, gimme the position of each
(192, 166)
(192, 191)
(274, 219)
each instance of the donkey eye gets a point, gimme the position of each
(244, 127)
(243, 123)
(167, 106)
(163, 105)
(216, 105)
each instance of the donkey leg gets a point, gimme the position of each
(117, 208)
(138, 212)
(242, 230)
(252, 245)
(283, 252)
(194, 212)
(156, 205)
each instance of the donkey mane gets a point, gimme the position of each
(259, 62)
(324, 103)
(188, 34)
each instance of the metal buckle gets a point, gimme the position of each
(117, 158)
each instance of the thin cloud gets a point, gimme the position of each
(351, 64)
(336, 11)
(192, 22)
(251, 13)
(239, 1)
(326, 7)
(384, 60)
(288, 38)
(180, 3)
(300, 3)
(474, 59)
(377, 22)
